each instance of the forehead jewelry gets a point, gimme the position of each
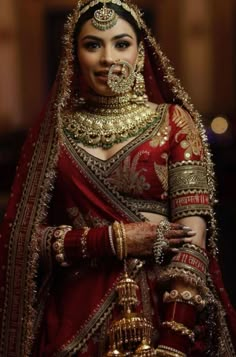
(104, 18)
(121, 77)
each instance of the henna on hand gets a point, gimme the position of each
(141, 236)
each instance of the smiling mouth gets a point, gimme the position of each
(101, 74)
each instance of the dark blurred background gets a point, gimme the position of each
(199, 38)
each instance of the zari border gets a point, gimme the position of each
(225, 346)
(23, 255)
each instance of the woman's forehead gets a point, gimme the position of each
(121, 27)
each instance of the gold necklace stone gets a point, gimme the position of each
(105, 121)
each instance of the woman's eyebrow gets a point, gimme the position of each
(121, 36)
(96, 38)
(91, 37)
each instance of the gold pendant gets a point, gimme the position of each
(104, 18)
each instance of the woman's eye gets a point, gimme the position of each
(122, 44)
(92, 45)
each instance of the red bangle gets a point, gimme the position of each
(181, 312)
(95, 244)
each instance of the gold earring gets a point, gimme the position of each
(139, 90)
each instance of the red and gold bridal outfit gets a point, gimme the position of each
(160, 171)
(167, 170)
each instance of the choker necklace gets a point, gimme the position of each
(105, 121)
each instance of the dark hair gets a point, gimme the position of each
(122, 13)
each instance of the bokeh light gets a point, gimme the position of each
(219, 125)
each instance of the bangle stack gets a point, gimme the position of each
(189, 265)
(192, 258)
(120, 240)
(58, 246)
(160, 242)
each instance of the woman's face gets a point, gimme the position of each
(98, 50)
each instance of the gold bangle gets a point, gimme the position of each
(124, 239)
(84, 248)
(119, 240)
(180, 328)
(110, 234)
(58, 245)
(165, 351)
(171, 349)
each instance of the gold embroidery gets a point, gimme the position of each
(21, 286)
(189, 191)
(44, 238)
(192, 142)
(127, 178)
(143, 205)
(162, 174)
(80, 220)
(145, 295)
(76, 217)
(162, 136)
(186, 177)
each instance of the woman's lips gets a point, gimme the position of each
(102, 76)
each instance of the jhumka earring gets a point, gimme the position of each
(104, 18)
(139, 90)
(131, 334)
(121, 77)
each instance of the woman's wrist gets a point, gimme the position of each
(88, 243)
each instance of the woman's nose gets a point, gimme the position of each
(107, 56)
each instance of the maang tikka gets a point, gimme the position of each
(139, 90)
(104, 18)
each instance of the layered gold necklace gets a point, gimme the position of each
(104, 121)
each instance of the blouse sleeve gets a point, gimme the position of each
(188, 186)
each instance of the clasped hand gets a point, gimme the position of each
(140, 237)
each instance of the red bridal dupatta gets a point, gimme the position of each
(23, 286)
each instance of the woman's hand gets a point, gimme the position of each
(140, 237)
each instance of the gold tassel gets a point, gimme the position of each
(131, 334)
